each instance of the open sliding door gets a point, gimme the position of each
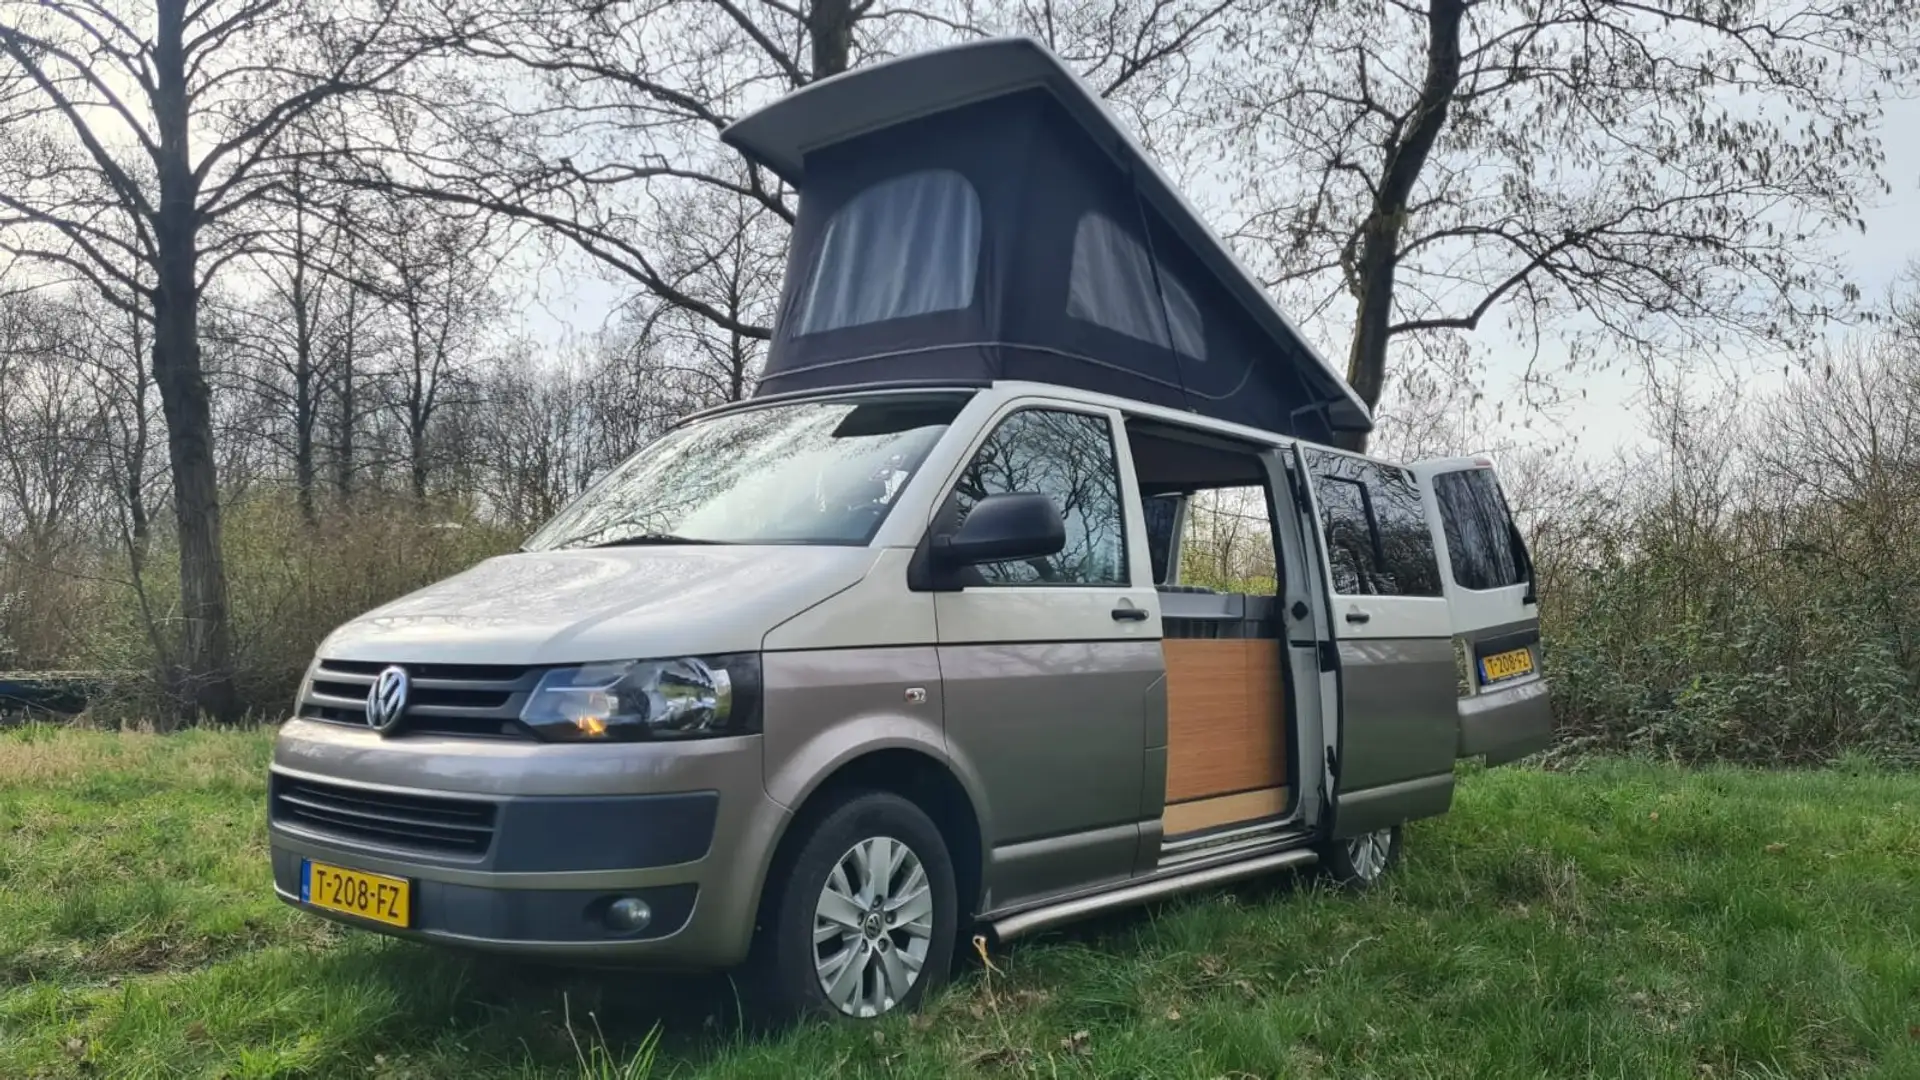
(1391, 757)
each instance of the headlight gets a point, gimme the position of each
(681, 698)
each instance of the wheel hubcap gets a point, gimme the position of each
(1368, 853)
(872, 927)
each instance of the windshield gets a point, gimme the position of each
(809, 473)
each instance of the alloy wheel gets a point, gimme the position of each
(872, 927)
(1368, 854)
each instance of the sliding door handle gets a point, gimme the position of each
(1358, 617)
(1129, 614)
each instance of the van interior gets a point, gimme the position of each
(1228, 721)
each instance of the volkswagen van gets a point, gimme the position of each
(900, 649)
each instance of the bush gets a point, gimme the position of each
(289, 584)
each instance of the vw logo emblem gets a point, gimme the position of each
(387, 701)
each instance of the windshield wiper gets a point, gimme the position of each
(647, 539)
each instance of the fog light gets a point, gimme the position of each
(629, 913)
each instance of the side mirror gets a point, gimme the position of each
(1012, 525)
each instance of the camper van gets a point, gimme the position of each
(899, 649)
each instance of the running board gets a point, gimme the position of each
(1210, 848)
(1042, 918)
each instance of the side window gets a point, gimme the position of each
(1406, 543)
(1162, 514)
(905, 246)
(1112, 283)
(1377, 538)
(1227, 544)
(1070, 457)
(1482, 543)
(1349, 531)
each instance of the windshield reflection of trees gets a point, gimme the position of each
(1068, 456)
(784, 475)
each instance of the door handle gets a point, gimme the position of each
(1129, 614)
(1358, 617)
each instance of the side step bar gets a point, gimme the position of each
(1051, 915)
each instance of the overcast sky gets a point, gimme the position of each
(1610, 416)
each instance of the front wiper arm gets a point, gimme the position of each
(647, 539)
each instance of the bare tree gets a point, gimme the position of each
(538, 436)
(133, 140)
(435, 278)
(1641, 176)
(49, 422)
(291, 330)
(595, 128)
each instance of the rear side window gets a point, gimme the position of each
(1406, 544)
(1483, 546)
(1349, 532)
(1376, 532)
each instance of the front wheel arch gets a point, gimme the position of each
(920, 779)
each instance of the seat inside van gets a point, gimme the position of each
(1227, 718)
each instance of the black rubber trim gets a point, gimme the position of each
(603, 832)
(1493, 646)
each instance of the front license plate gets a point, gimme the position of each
(1507, 665)
(370, 896)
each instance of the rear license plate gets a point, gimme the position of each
(1507, 665)
(369, 896)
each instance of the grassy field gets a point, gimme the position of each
(1622, 921)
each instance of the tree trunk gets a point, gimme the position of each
(136, 454)
(1370, 275)
(830, 28)
(737, 369)
(343, 453)
(305, 391)
(417, 465)
(205, 677)
(417, 418)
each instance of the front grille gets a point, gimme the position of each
(468, 700)
(426, 823)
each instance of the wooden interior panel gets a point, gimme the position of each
(1221, 810)
(1226, 729)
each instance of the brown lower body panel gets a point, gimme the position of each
(1226, 732)
(1196, 815)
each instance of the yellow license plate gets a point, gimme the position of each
(356, 892)
(1507, 665)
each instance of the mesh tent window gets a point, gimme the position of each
(1112, 284)
(906, 246)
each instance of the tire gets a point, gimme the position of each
(878, 936)
(1359, 862)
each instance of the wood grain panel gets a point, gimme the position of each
(1211, 813)
(1226, 728)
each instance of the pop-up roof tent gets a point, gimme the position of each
(976, 213)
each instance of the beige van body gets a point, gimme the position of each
(1074, 745)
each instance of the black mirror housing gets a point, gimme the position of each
(1007, 526)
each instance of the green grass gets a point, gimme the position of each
(1624, 920)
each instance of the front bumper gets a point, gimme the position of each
(686, 827)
